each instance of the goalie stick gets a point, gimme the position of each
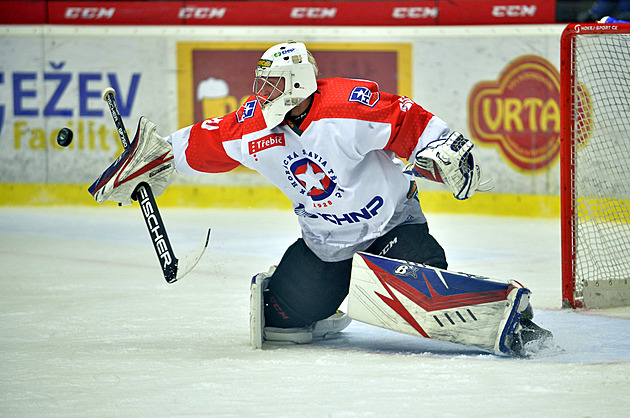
(172, 267)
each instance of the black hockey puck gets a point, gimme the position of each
(64, 137)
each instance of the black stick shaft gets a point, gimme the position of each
(157, 232)
(120, 126)
(144, 195)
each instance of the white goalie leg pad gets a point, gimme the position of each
(148, 160)
(256, 307)
(434, 303)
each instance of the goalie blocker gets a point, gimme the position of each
(443, 305)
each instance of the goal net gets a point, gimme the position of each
(595, 165)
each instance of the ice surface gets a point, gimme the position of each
(89, 327)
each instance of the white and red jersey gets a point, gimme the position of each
(339, 169)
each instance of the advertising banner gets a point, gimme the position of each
(51, 82)
(498, 87)
(282, 13)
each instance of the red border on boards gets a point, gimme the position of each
(274, 13)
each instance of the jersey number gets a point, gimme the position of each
(211, 124)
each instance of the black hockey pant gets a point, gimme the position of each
(304, 289)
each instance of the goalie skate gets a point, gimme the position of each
(259, 333)
(321, 330)
(531, 340)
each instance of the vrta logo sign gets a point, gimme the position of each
(519, 113)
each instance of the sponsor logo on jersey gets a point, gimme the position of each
(266, 142)
(519, 113)
(364, 96)
(300, 210)
(367, 212)
(246, 111)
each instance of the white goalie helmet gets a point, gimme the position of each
(286, 75)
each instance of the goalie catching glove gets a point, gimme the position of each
(149, 159)
(450, 161)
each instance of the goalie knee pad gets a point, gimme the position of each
(148, 160)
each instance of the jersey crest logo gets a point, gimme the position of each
(364, 96)
(246, 111)
(313, 179)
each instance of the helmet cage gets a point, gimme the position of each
(268, 88)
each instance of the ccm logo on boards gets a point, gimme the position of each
(89, 12)
(313, 12)
(414, 12)
(514, 11)
(193, 12)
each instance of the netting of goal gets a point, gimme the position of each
(595, 165)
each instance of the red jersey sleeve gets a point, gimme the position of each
(409, 121)
(205, 151)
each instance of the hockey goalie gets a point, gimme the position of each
(335, 147)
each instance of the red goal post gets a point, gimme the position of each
(595, 165)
